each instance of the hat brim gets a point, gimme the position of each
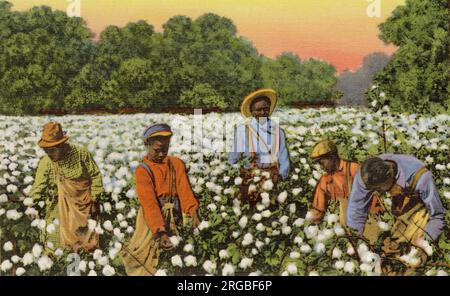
(161, 134)
(270, 93)
(46, 144)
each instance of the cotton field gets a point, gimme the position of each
(275, 239)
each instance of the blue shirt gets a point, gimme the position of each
(407, 166)
(267, 132)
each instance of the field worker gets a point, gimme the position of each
(416, 205)
(165, 195)
(70, 181)
(261, 143)
(335, 185)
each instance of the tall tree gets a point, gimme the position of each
(417, 78)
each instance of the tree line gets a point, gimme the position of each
(50, 61)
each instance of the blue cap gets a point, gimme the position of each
(159, 129)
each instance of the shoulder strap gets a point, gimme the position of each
(416, 178)
(171, 177)
(149, 171)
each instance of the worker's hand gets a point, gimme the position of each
(165, 241)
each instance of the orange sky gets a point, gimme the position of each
(339, 31)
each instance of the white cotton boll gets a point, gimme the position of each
(41, 204)
(260, 207)
(92, 273)
(260, 227)
(266, 213)
(245, 263)
(217, 198)
(28, 202)
(175, 240)
(447, 195)
(123, 224)
(256, 179)
(275, 232)
(50, 245)
(248, 239)
(268, 185)
(313, 273)
(82, 266)
(6, 265)
(209, 266)
(265, 199)
(292, 208)
(319, 248)
(107, 207)
(108, 270)
(286, 230)
(3, 198)
(267, 240)
(13, 215)
(285, 273)
(228, 270)
(11, 188)
(255, 273)
(339, 230)
(350, 250)
(257, 217)
(44, 263)
(299, 222)
(305, 248)
(309, 216)
(337, 253)
(259, 244)
(292, 269)
(312, 182)
(294, 255)
(298, 240)
(51, 228)
(311, 231)
(2, 212)
(37, 250)
(91, 264)
(28, 179)
(226, 179)
(97, 254)
(441, 273)
(265, 175)
(108, 225)
(238, 181)
(235, 234)
(332, 218)
(243, 222)
(31, 212)
(103, 260)
(283, 219)
(296, 191)
(364, 267)
(20, 271)
(92, 224)
(349, 267)
(212, 207)
(27, 259)
(113, 253)
(362, 248)
(176, 261)
(282, 197)
(339, 264)
(15, 259)
(131, 193)
(223, 254)
(237, 211)
(59, 252)
(188, 248)
(203, 225)
(252, 188)
(8, 246)
(383, 226)
(120, 205)
(41, 224)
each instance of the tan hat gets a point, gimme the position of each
(52, 135)
(322, 148)
(266, 92)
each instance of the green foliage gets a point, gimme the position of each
(202, 95)
(417, 78)
(298, 81)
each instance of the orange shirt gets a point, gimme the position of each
(148, 192)
(334, 186)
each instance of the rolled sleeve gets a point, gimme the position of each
(189, 203)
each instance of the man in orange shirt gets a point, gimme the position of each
(165, 194)
(335, 185)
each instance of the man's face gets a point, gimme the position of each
(158, 149)
(261, 108)
(329, 164)
(57, 152)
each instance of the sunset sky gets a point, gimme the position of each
(338, 31)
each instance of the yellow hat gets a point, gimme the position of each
(322, 148)
(266, 92)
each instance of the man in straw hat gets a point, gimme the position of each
(415, 203)
(262, 143)
(335, 185)
(70, 180)
(165, 195)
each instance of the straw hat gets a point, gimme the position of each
(266, 92)
(52, 135)
(322, 148)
